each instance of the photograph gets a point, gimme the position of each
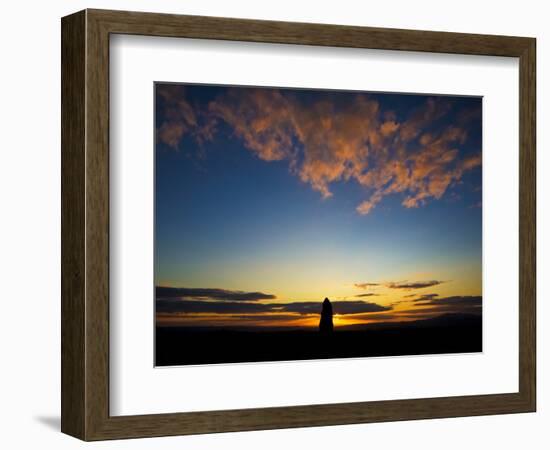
(267, 226)
(303, 224)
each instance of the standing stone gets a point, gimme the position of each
(325, 324)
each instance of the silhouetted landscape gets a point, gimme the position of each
(448, 333)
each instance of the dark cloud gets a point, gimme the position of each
(225, 319)
(297, 307)
(211, 294)
(339, 307)
(412, 285)
(405, 285)
(365, 285)
(424, 297)
(266, 317)
(177, 305)
(450, 301)
(455, 304)
(371, 294)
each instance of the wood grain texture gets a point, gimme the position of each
(85, 224)
(97, 226)
(73, 226)
(527, 224)
(151, 24)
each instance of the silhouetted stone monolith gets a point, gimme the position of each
(325, 324)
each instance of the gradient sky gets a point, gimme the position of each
(270, 200)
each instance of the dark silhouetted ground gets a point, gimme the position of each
(191, 345)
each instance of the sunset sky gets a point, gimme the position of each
(269, 200)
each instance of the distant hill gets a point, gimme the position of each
(448, 333)
(444, 320)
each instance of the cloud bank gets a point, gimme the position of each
(413, 285)
(366, 285)
(404, 285)
(176, 304)
(211, 294)
(431, 304)
(450, 301)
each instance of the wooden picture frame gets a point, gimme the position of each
(85, 224)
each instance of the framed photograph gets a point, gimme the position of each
(271, 225)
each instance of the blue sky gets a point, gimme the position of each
(305, 194)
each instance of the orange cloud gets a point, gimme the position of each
(179, 115)
(261, 118)
(389, 127)
(325, 142)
